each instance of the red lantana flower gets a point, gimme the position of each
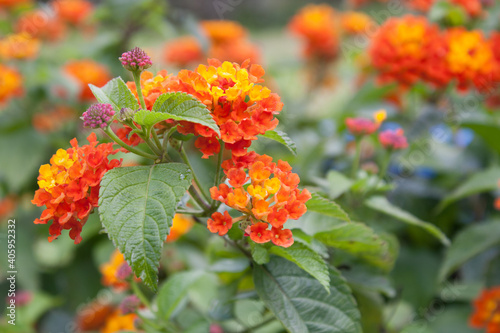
(487, 311)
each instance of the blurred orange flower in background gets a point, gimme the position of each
(183, 51)
(118, 322)
(54, 119)
(356, 22)
(73, 11)
(93, 316)
(85, 72)
(180, 226)
(19, 46)
(317, 24)
(228, 41)
(116, 271)
(470, 59)
(41, 24)
(487, 311)
(409, 49)
(10, 83)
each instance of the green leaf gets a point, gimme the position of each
(481, 181)
(306, 259)
(468, 243)
(259, 253)
(177, 106)
(322, 205)
(116, 93)
(360, 241)
(381, 204)
(489, 132)
(174, 290)
(282, 138)
(337, 184)
(300, 302)
(136, 206)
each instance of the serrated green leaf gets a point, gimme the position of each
(307, 259)
(136, 206)
(116, 93)
(177, 106)
(282, 138)
(174, 291)
(322, 205)
(361, 241)
(300, 302)
(381, 204)
(481, 181)
(468, 243)
(259, 253)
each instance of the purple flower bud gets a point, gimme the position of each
(136, 60)
(125, 114)
(98, 116)
(129, 304)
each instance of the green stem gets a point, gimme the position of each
(137, 80)
(199, 200)
(383, 169)
(196, 180)
(357, 158)
(190, 212)
(134, 150)
(138, 292)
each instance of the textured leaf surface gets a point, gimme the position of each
(174, 291)
(307, 259)
(177, 106)
(468, 243)
(360, 241)
(481, 181)
(137, 205)
(322, 205)
(381, 204)
(282, 138)
(300, 302)
(116, 93)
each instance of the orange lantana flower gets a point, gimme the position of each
(316, 24)
(73, 11)
(240, 106)
(487, 311)
(118, 322)
(271, 198)
(356, 22)
(10, 83)
(69, 186)
(86, 72)
(409, 49)
(183, 51)
(19, 46)
(470, 59)
(41, 24)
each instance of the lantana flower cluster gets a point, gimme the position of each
(69, 185)
(265, 192)
(87, 71)
(11, 83)
(227, 40)
(240, 106)
(410, 49)
(487, 311)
